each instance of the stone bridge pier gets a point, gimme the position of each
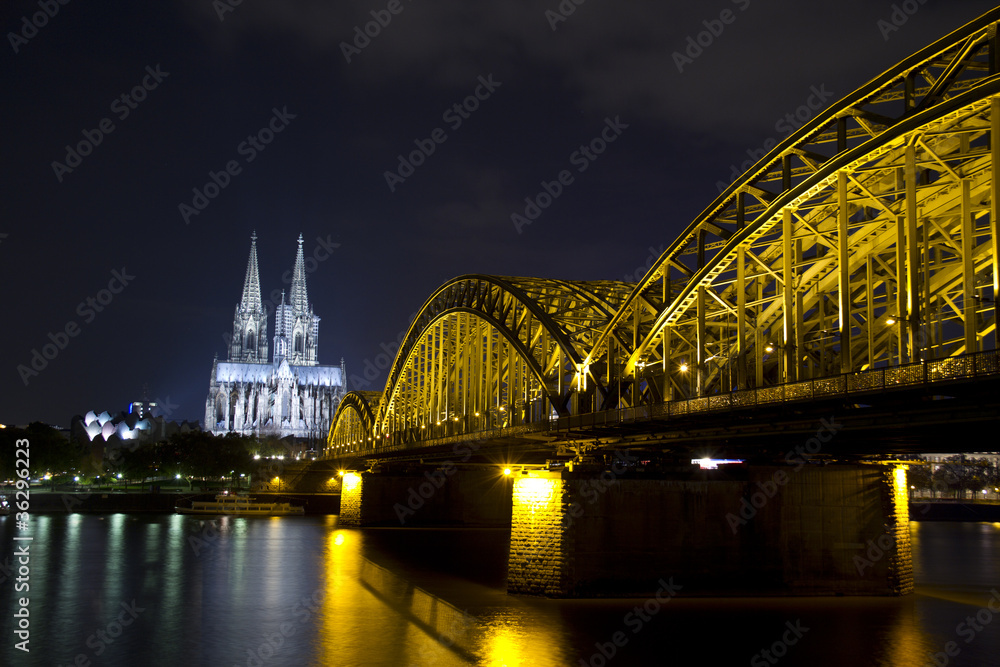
(757, 530)
(444, 495)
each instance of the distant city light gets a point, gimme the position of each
(712, 464)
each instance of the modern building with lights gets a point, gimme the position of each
(292, 395)
(139, 425)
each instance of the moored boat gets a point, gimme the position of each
(226, 503)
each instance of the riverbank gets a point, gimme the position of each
(946, 510)
(111, 502)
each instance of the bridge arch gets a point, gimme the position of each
(866, 238)
(494, 351)
(351, 428)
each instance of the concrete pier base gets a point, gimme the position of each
(431, 496)
(811, 530)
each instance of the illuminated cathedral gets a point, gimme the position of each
(290, 395)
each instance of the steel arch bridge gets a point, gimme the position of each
(864, 245)
(484, 352)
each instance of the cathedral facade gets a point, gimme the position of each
(290, 395)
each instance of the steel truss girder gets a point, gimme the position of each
(923, 88)
(548, 323)
(352, 423)
(948, 247)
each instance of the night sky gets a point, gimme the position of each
(265, 90)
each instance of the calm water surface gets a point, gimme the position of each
(177, 590)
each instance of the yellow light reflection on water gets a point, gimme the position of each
(504, 647)
(367, 613)
(907, 643)
(344, 623)
(522, 636)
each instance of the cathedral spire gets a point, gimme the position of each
(249, 342)
(296, 329)
(251, 284)
(299, 298)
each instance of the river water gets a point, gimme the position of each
(175, 590)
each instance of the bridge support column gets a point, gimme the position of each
(351, 494)
(768, 530)
(426, 495)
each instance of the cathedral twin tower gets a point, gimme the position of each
(290, 395)
(296, 329)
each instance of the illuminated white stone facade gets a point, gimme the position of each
(292, 395)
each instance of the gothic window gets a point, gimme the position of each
(298, 343)
(251, 343)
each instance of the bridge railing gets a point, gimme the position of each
(966, 366)
(491, 434)
(875, 380)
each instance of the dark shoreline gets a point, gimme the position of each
(946, 510)
(103, 502)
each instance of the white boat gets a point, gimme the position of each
(226, 503)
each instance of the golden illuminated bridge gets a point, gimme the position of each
(855, 262)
